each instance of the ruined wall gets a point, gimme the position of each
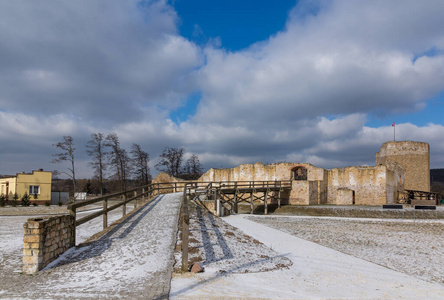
(300, 193)
(344, 196)
(368, 183)
(414, 157)
(323, 197)
(311, 191)
(249, 172)
(395, 183)
(44, 239)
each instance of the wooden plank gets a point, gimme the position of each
(265, 202)
(105, 215)
(89, 217)
(185, 231)
(72, 212)
(251, 203)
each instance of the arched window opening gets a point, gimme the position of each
(300, 173)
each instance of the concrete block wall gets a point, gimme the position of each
(45, 239)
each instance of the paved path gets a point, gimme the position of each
(134, 260)
(317, 272)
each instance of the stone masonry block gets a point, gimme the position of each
(35, 245)
(30, 260)
(37, 231)
(27, 252)
(30, 269)
(31, 239)
(34, 225)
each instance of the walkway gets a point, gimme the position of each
(134, 260)
(317, 272)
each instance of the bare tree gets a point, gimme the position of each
(193, 168)
(67, 154)
(119, 159)
(97, 150)
(170, 161)
(140, 160)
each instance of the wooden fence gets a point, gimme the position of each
(189, 189)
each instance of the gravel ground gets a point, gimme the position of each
(222, 248)
(414, 248)
(33, 210)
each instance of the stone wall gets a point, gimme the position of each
(414, 157)
(376, 185)
(368, 183)
(395, 183)
(344, 196)
(300, 192)
(45, 239)
(303, 193)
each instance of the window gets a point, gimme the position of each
(300, 173)
(34, 189)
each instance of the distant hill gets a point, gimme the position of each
(437, 181)
(436, 175)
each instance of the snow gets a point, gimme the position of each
(127, 262)
(221, 248)
(317, 272)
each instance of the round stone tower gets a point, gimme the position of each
(414, 157)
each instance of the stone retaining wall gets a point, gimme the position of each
(45, 239)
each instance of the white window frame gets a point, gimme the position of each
(33, 188)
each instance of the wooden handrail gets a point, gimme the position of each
(151, 189)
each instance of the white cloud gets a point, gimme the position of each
(305, 94)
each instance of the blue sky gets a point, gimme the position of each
(231, 81)
(238, 24)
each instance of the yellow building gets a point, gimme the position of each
(37, 182)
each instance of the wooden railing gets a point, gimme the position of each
(149, 191)
(190, 189)
(131, 195)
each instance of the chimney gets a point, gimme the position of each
(40, 170)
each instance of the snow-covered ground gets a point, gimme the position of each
(221, 248)
(11, 238)
(412, 247)
(133, 260)
(317, 272)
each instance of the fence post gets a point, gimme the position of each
(265, 201)
(72, 212)
(185, 230)
(124, 204)
(236, 210)
(251, 202)
(143, 194)
(135, 200)
(105, 215)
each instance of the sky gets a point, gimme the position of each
(231, 81)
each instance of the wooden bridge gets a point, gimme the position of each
(223, 193)
(229, 194)
(432, 198)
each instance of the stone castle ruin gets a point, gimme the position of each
(398, 166)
